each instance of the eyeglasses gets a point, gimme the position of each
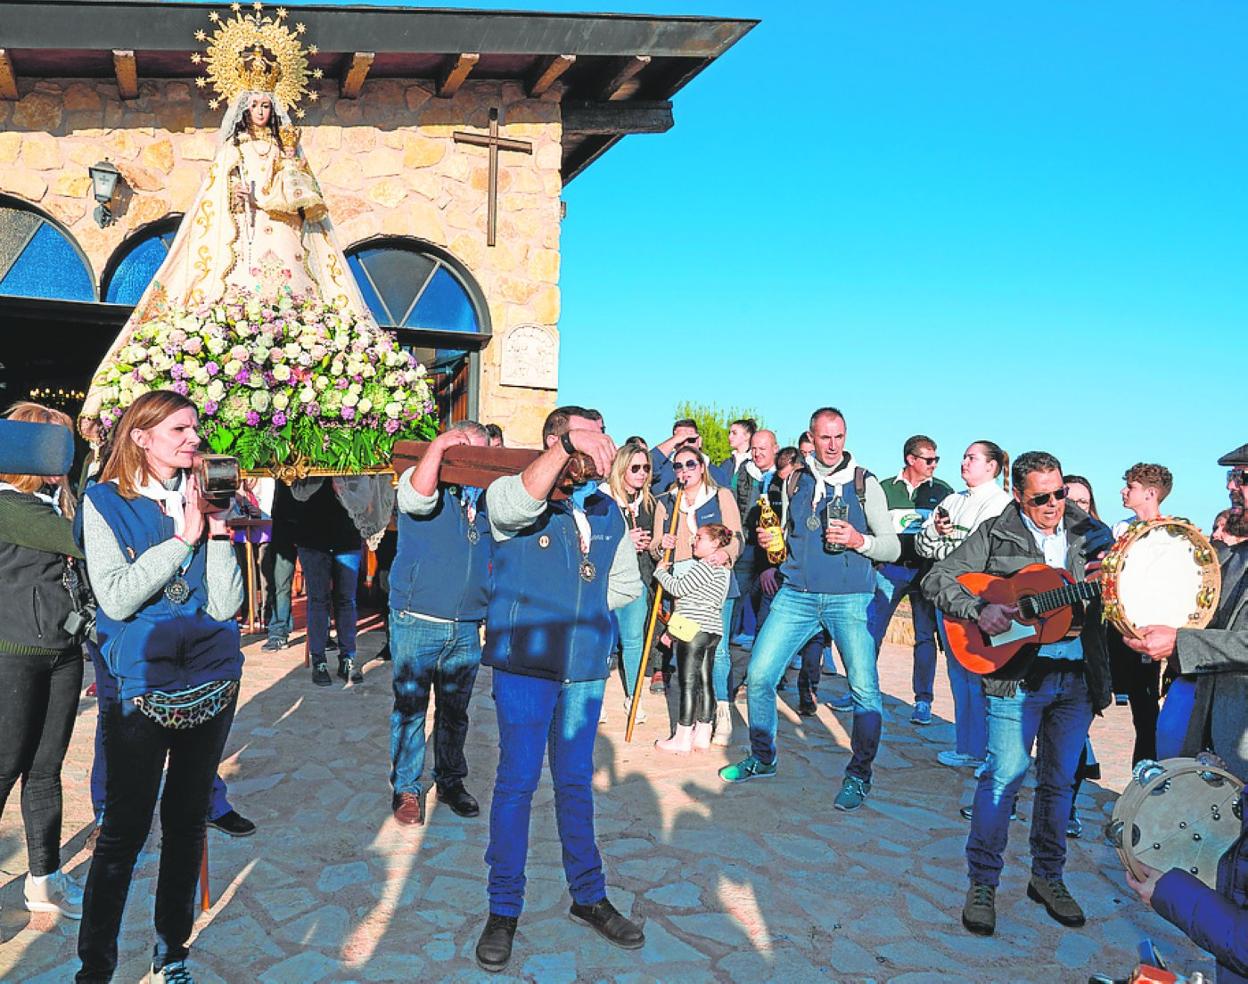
(1238, 476)
(691, 465)
(638, 469)
(1057, 495)
(928, 460)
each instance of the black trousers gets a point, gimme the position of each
(694, 662)
(136, 749)
(1141, 682)
(38, 706)
(811, 671)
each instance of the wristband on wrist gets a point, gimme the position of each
(566, 440)
(184, 541)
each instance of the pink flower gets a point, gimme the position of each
(253, 418)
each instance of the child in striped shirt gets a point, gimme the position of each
(700, 592)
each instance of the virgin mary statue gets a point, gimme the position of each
(258, 226)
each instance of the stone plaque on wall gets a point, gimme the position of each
(530, 358)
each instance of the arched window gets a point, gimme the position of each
(136, 261)
(434, 306)
(38, 258)
(409, 284)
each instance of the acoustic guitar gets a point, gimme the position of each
(1045, 597)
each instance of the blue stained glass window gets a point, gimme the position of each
(366, 289)
(444, 306)
(49, 267)
(410, 288)
(137, 269)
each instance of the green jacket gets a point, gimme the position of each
(34, 542)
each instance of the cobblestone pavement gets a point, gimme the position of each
(733, 883)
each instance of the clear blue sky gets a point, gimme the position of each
(1018, 221)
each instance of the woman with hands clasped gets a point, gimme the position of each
(167, 585)
(629, 485)
(701, 501)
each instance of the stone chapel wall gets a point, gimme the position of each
(386, 163)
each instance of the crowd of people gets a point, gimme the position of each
(773, 560)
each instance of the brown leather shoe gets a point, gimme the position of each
(409, 809)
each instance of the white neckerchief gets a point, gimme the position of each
(51, 500)
(171, 501)
(701, 499)
(825, 482)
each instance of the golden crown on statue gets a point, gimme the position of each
(251, 52)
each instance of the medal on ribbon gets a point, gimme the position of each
(813, 523)
(587, 570)
(177, 590)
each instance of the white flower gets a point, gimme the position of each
(293, 351)
(307, 395)
(281, 373)
(232, 368)
(260, 400)
(201, 376)
(393, 409)
(349, 399)
(364, 405)
(280, 401)
(321, 382)
(216, 390)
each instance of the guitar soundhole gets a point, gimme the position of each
(1026, 609)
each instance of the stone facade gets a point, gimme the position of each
(386, 163)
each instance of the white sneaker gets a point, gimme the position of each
(641, 711)
(957, 760)
(723, 725)
(56, 893)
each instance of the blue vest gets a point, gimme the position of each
(162, 646)
(544, 619)
(708, 512)
(437, 569)
(809, 567)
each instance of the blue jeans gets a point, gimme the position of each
(721, 670)
(277, 567)
(1175, 713)
(560, 719)
(632, 621)
(795, 617)
(105, 696)
(892, 583)
(744, 623)
(438, 656)
(1055, 717)
(970, 711)
(323, 571)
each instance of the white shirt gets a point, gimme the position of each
(1053, 546)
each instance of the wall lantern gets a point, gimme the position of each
(104, 178)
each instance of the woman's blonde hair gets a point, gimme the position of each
(36, 413)
(707, 478)
(615, 480)
(127, 462)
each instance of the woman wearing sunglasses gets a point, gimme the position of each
(629, 483)
(701, 501)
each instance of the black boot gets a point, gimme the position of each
(494, 946)
(606, 920)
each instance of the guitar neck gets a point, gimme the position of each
(1033, 606)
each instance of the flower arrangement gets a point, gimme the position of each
(277, 380)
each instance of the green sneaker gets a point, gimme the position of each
(747, 769)
(853, 792)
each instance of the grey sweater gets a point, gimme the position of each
(512, 509)
(122, 586)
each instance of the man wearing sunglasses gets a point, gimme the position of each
(1215, 659)
(912, 496)
(1044, 696)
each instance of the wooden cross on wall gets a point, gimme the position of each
(495, 143)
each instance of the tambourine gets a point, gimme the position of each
(1160, 572)
(1177, 813)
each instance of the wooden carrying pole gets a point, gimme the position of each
(654, 617)
(205, 900)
